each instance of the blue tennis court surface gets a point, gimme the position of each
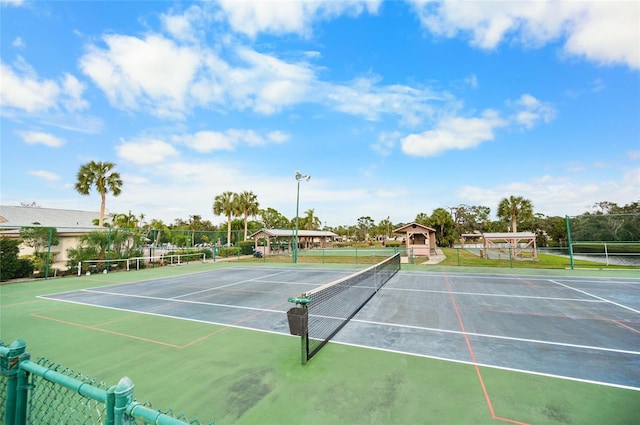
(577, 328)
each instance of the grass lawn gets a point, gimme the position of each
(462, 257)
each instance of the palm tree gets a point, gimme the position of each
(226, 204)
(101, 176)
(310, 221)
(514, 208)
(248, 204)
(441, 218)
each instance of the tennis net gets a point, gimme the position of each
(332, 305)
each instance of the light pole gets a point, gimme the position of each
(299, 176)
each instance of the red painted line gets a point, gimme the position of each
(93, 328)
(473, 359)
(625, 326)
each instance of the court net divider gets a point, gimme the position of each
(322, 312)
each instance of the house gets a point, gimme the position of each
(420, 240)
(70, 225)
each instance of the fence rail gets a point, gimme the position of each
(41, 392)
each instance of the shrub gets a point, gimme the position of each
(24, 269)
(246, 247)
(229, 252)
(9, 250)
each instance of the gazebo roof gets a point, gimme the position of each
(415, 227)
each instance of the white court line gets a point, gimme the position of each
(508, 338)
(595, 296)
(171, 300)
(509, 369)
(494, 295)
(168, 316)
(225, 286)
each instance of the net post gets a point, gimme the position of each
(299, 324)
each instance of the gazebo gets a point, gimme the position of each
(517, 242)
(281, 240)
(419, 239)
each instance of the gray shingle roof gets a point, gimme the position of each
(11, 216)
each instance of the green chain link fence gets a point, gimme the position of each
(43, 392)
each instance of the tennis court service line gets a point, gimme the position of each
(595, 296)
(173, 300)
(484, 294)
(506, 338)
(473, 359)
(225, 286)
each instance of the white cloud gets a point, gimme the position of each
(209, 141)
(26, 91)
(23, 89)
(545, 192)
(283, 16)
(453, 133)
(633, 155)
(146, 151)
(18, 43)
(46, 175)
(12, 2)
(36, 137)
(153, 73)
(364, 97)
(73, 89)
(385, 143)
(601, 31)
(531, 110)
(278, 136)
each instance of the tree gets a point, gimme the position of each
(124, 221)
(442, 220)
(248, 204)
(38, 237)
(310, 221)
(385, 227)
(12, 266)
(101, 176)
(364, 224)
(157, 228)
(272, 219)
(515, 208)
(226, 204)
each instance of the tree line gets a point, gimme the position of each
(514, 213)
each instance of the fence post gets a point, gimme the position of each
(9, 366)
(123, 396)
(110, 406)
(569, 241)
(22, 391)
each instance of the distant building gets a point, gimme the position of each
(70, 225)
(281, 240)
(419, 239)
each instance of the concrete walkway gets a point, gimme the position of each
(435, 259)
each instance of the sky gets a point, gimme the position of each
(394, 108)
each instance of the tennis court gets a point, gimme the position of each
(579, 328)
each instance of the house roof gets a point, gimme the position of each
(69, 220)
(508, 235)
(291, 232)
(413, 226)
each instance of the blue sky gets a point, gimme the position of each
(394, 108)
